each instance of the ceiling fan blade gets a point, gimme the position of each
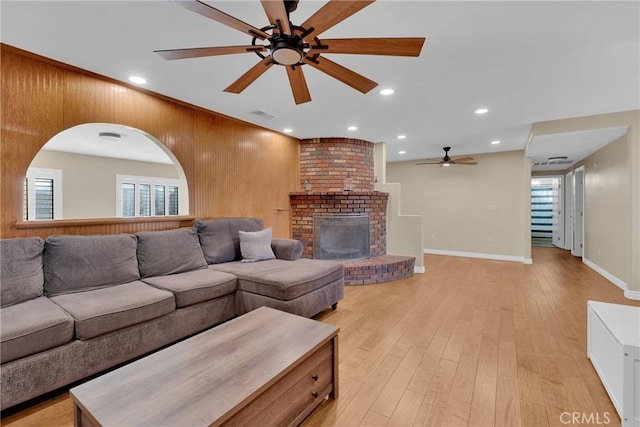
(345, 75)
(394, 46)
(463, 159)
(198, 52)
(250, 76)
(428, 163)
(276, 12)
(219, 16)
(455, 162)
(298, 85)
(333, 13)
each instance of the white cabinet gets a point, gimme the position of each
(613, 345)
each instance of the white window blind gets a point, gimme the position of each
(146, 196)
(43, 194)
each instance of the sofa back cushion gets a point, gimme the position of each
(220, 238)
(168, 252)
(78, 263)
(21, 276)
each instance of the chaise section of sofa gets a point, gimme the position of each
(285, 282)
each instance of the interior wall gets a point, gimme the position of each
(89, 182)
(477, 209)
(233, 168)
(632, 165)
(607, 209)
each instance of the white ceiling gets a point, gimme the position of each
(525, 61)
(574, 145)
(85, 139)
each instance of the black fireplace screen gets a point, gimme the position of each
(341, 236)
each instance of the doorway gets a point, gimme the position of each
(547, 212)
(577, 248)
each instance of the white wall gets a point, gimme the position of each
(89, 182)
(480, 210)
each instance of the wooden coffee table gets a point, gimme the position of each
(267, 367)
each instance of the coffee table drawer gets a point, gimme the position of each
(292, 397)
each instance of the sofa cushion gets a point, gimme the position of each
(195, 286)
(169, 252)
(31, 327)
(220, 240)
(79, 263)
(21, 276)
(100, 311)
(288, 249)
(283, 280)
(256, 245)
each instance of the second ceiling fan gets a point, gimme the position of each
(446, 160)
(292, 46)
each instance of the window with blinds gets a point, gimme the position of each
(140, 196)
(42, 194)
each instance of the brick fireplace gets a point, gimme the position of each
(336, 178)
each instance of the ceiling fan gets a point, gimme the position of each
(292, 46)
(446, 160)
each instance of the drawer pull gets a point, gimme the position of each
(314, 377)
(314, 394)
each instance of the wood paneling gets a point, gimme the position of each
(233, 168)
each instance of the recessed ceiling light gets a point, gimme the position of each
(352, 128)
(402, 136)
(402, 152)
(495, 142)
(137, 80)
(482, 110)
(287, 130)
(386, 92)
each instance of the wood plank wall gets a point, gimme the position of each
(233, 168)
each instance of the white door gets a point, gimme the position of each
(558, 213)
(578, 212)
(568, 211)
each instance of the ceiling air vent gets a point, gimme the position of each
(263, 114)
(110, 135)
(552, 162)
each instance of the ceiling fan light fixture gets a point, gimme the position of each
(286, 56)
(286, 50)
(446, 164)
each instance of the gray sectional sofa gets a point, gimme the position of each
(73, 306)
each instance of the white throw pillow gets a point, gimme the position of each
(256, 245)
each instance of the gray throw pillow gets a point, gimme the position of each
(256, 245)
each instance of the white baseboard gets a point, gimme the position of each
(419, 269)
(479, 255)
(613, 279)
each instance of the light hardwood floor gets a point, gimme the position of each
(470, 342)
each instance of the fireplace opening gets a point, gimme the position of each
(342, 237)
